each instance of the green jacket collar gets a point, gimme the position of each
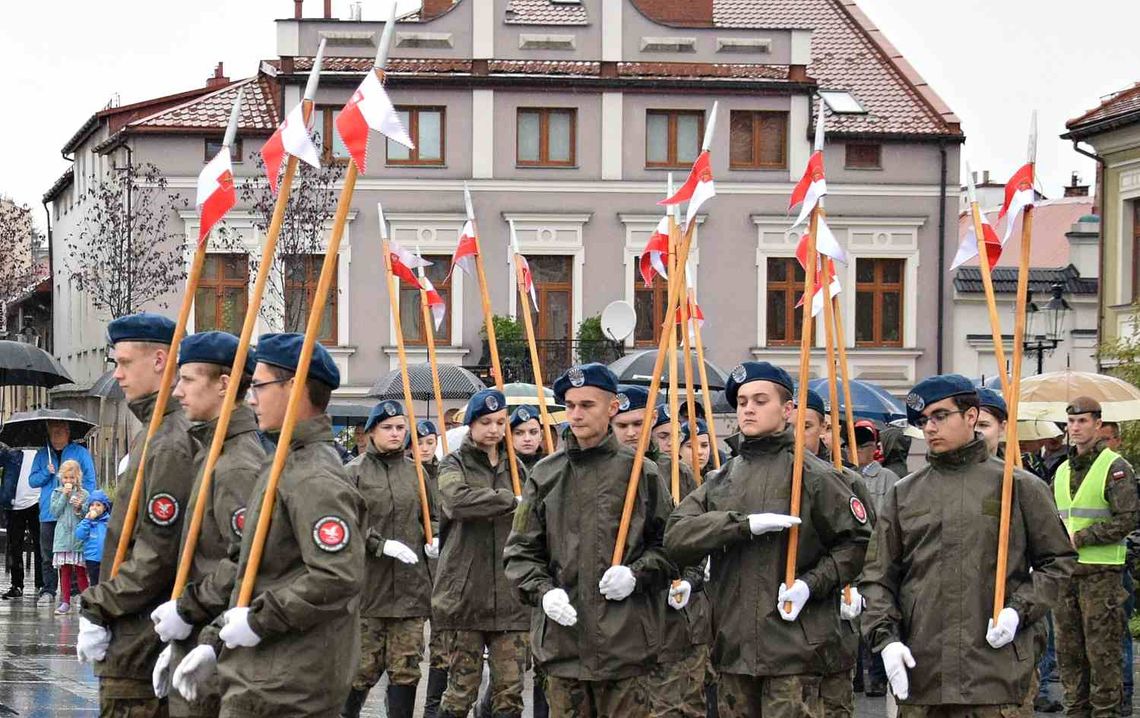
(962, 458)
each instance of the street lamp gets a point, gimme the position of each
(1045, 328)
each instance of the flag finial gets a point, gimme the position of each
(709, 130)
(315, 73)
(818, 146)
(673, 210)
(386, 39)
(514, 237)
(383, 224)
(1032, 153)
(971, 190)
(467, 202)
(235, 115)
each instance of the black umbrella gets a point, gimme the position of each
(344, 412)
(27, 365)
(637, 368)
(455, 382)
(106, 387)
(29, 428)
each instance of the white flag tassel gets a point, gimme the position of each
(383, 224)
(528, 279)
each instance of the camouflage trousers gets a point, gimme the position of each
(625, 697)
(1009, 710)
(678, 688)
(507, 653)
(742, 696)
(126, 698)
(1088, 620)
(437, 657)
(837, 696)
(395, 645)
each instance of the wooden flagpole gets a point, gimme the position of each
(528, 324)
(848, 410)
(429, 335)
(829, 332)
(169, 369)
(492, 342)
(229, 403)
(706, 397)
(690, 395)
(988, 283)
(674, 393)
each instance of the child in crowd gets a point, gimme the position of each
(92, 530)
(67, 502)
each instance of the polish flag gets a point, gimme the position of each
(968, 249)
(369, 108)
(293, 138)
(825, 244)
(435, 302)
(466, 251)
(810, 188)
(697, 189)
(528, 280)
(833, 290)
(404, 262)
(656, 250)
(695, 314)
(1018, 196)
(216, 194)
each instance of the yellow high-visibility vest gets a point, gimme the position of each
(1089, 507)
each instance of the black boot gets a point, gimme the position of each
(437, 683)
(541, 707)
(354, 703)
(401, 701)
(711, 707)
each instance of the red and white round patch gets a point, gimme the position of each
(330, 533)
(858, 510)
(237, 521)
(162, 509)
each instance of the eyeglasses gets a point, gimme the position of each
(254, 387)
(936, 418)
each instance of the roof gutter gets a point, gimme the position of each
(1100, 255)
(941, 252)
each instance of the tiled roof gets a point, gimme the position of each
(545, 67)
(212, 112)
(701, 69)
(60, 184)
(1117, 106)
(1041, 281)
(1051, 220)
(395, 65)
(545, 12)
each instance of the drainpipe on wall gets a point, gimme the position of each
(51, 275)
(1100, 253)
(941, 254)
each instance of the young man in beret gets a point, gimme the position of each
(930, 570)
(992, 417)
(396, 599)
(770, 658)
(204, 363)
(114, 627)
(295, 649)
(1095, 491)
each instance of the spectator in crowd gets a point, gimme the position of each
(67, 502)
(21, 504)
(92, 531)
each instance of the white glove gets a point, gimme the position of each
(168, 624)
(797, 595)
(518, 499)
(767, 523)
(556, 605)
(851, 611)
(400, 552)
(896, 659)
(679, 594)
(708, 569)
(1006, 628)
(431, 550)
(237, 632)
(160, 677)
(194, 671)
(91, 645)
(617, 583)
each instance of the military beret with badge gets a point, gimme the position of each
(213, 348)
(426, 427)
(993, 402)
(482, 403)
(523, 414)
(934, 389)
(751, 371)
(815, 403)
(382, 412)
(592, 374)
(141, 327)
(686, 430)
(631, 397)
(284, 351)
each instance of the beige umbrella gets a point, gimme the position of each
(1045, 396)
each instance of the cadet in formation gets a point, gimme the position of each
(295, 649)
(526, 433)
(1095, 491)
(598, 631)
(992, 416)
(472, 602)
(115, 627)
(930, 570)
(204, 362)
(769, 659)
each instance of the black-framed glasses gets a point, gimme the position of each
(937, 418)
(254, 387)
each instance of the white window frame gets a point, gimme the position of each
(541, 234)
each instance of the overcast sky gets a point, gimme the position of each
(993, 62)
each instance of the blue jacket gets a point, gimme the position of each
(92, 532)
(10, 462)
(46, 482)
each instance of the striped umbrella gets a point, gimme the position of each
(455, 382)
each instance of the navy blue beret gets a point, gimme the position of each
(815, 402)
(631, 397)
(934, 389)
(592, 374)
(383, 411)
(213, 348)
(141, 327)
(425, 427)
(755, 371)
(525, 413)
(992, 400)
(702, 430)
(483, 402)
(660, 416)
(284, 350)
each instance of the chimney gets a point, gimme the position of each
(985, 176)
(1084, 245)
(686, 13)
(435, 8)
(328, 9)
(1075, 188)
(297, 12)
(219, 79)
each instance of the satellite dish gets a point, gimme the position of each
(404, 8)
(618, 320)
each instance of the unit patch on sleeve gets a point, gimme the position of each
(162, 509)
(330, 533)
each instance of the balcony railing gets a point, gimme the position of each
(554, 355)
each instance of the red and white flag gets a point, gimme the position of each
(810, 188)
(825, 244)
(404, 262)
(435, 302)
(293, 138)
(369, 108)
(698, 188)
(1018, 196)
(833, 290)
(528, 279)
(465, 252)
(652, 260)
(968, 249)
(216, 194)
(695, 313)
